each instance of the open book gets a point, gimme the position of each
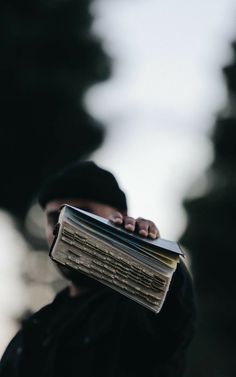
(137, 267)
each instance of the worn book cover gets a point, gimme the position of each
(136, 267)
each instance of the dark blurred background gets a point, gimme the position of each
(49, 59)
(209, 237)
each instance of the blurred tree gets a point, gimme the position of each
(209, 237)
(49, 58)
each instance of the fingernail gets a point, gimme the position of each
(143, 232)
(129, 227)
(152, 235)
(118, 220)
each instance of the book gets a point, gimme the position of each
(137, 267)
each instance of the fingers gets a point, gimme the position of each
(117, 218)
(129, 223)
(143, 227)
(153, 231)
(147, 228)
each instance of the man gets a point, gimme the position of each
(89, 329)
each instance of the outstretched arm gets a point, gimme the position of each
(168, 334)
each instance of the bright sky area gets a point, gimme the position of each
(158, 109)
(160, 103)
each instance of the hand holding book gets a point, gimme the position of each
(137, 267)
(143, 227)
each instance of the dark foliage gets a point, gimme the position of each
(210, 238)
(49, 58)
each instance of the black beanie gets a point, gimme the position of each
(83, 180)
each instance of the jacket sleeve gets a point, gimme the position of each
(9, 363)
(168, 334)
(178, 319)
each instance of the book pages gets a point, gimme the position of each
(135, 267)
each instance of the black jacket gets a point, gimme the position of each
(104, 334)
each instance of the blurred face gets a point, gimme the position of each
(52, 211)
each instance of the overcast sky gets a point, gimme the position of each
(160, 103)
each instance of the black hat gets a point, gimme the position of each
(83, 180)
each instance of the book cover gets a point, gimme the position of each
(137, 267)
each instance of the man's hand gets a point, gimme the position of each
(143, 227)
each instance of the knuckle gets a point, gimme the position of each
(139, 219)
(129, 219)
(152, 224)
